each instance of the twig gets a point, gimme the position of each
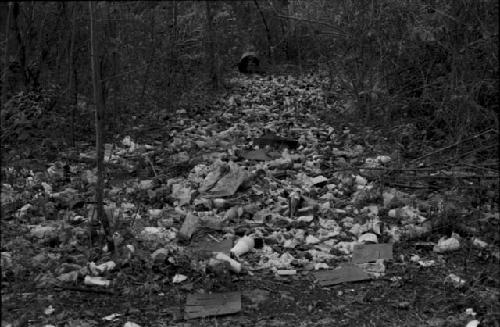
(83, 289)
(452, 145)
(152, 166)
(410, 186)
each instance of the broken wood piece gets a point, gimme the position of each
(277, 141)
(258, 155)
(189, 226)
(205, 305)
(344, 274)
(363, 253)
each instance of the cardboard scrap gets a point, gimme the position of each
(274, 140)
(371, 252)
(229, 183)
(344, 274)
(205, 305)
(189, 226)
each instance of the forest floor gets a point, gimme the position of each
(345, 225)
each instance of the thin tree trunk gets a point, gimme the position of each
(99, 117)
(212, 72)
(5, 70)
(72, 95)
(21, 51)
(151, 57)
(268, 33)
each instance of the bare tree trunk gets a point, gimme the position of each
(5, 70)
(72, 88)
(151, 56)
(21, 51)
(268, 33)
(99, 117)
(212, 69)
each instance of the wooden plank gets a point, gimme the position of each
(371, 252)
(205, 305)
(345, 274)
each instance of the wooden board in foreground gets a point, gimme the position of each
(371, 252)
(205, 305)
(347, 273)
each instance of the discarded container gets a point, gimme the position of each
(286, 272)
(383, 159)
(243, 245)
(96, 281)
(473, 323)
(477, 242)
(455, 280)
(179, 278)
(368, 238)
(131, 324)
(447, 245)
(103, 267)
(235, 265)
(154, 213)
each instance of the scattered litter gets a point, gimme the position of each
(447, 245)
(111, 317)
(49, 310)
(243, 245)
(206, 305)
(423, 263)
(306, 219)
(473, 323)
(179, 278)
(470, 312)
(222, 257)
(481, 244)
(183, 194)
(259, 155)
(131, 324)
(368, 238)
(191, 223)
(310, 239)
(157, 234)
(146, 184)
(455, 280)
(160, 255)
(408, 214)
(383, 159)
(321, 265)
(96, 281)
(286, 272)
(68, 277)
(374, 269)
(43, 231)
(229, 183)
(154, 213)
(319, 180)
(275, 141)
(207, 247)
(103, 267)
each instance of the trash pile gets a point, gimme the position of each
(272, 190)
